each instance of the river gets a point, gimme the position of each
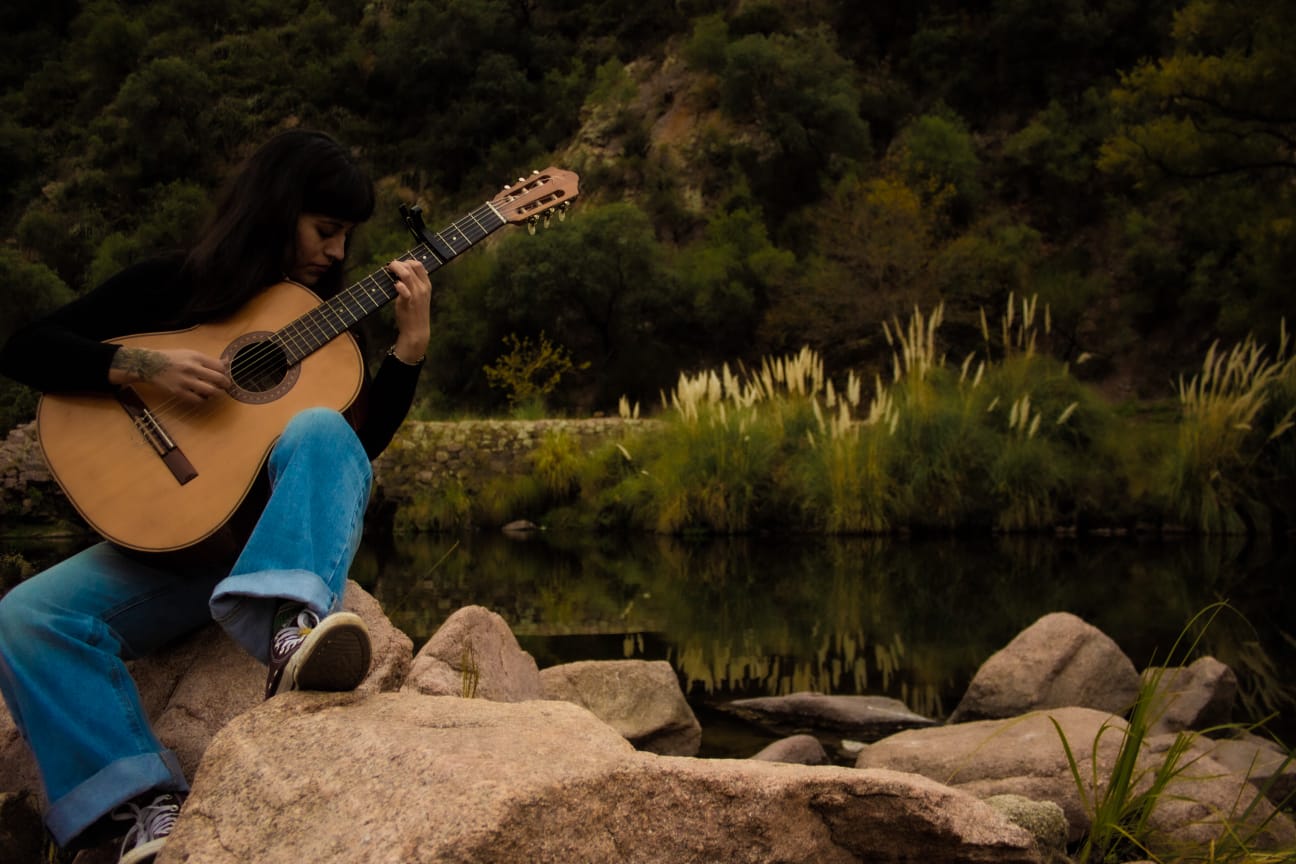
(907, 618)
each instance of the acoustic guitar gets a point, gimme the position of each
(150, 473)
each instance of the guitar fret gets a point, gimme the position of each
(313, 326)
(499, 217)
(473, 217)
(330, 307)
(456, 237)
(347, 298)
(427, 258)
(290, 341)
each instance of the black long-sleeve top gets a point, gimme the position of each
(65, 351)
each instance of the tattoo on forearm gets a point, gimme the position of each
(139, 361)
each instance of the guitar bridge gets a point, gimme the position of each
(157, 436)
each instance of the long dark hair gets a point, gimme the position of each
(249, 239)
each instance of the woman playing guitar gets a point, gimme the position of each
(286, 216)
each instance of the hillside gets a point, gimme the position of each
(756, 176)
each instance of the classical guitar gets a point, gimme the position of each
(151, 474)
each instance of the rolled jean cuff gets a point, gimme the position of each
(244, 604)
(113, 786)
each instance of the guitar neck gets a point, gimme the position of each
(321, 325)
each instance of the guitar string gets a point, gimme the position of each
(305, 328)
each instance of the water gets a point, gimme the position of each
(908, 618)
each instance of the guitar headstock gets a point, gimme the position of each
(537, 197)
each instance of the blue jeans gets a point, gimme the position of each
(65, 632)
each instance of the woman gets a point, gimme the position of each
(65, 632)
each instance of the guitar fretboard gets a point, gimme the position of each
(321, 325)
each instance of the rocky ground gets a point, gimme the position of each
(468, 752)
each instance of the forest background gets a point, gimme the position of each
(756, 176)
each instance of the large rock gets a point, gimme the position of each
(861, 718)
(641, 699)
(199, 684)
(1058, 661)
(1025, 756)
(1191, 697)
(1267, 765)
(795, 750)
(474, 653)
(413, 778)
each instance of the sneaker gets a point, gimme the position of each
(310, 653)
(153, 824)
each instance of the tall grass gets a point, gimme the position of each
(933, 445)
(1120, 803)
(1007, 439)
(1221, 435)
(717, 456)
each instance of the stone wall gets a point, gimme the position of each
(423, 456)
(29, 497)
(472, 451)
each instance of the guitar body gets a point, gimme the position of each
(119, 481)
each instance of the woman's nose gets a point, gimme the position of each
(335, 248)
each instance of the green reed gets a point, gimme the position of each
(1226, 425)
(1008, 439)
(1120, 803)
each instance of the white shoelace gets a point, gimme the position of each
(290, 637)
(151, 821)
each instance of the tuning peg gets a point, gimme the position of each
(531, 224)
(562, 211)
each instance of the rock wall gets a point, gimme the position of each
(431, 453)
(423, 457)
(29, 497)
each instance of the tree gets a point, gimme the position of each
(31, 290)
(1208, 136)
(937, 155)
(1219, 103)
(595, 284)
(801, 94)
(876, 240)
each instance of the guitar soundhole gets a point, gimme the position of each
(259, 368)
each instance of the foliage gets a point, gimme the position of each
(618, 310)
(755, 179)
(557, 461)
(530, 372)
(449, 508)
(798, 91)
(1222, 434)
(936, 154)
(1120, 805)
(1008, 440)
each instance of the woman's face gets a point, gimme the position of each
(321, 243)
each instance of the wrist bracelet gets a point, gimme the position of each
(391, 352)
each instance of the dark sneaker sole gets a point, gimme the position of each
(334, 657)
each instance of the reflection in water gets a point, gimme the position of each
(910, 619)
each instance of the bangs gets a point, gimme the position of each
(344, 193)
